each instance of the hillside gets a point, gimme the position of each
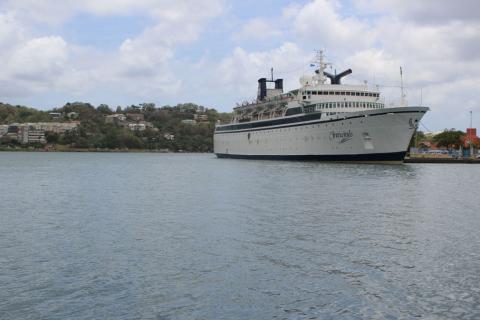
(184, 127)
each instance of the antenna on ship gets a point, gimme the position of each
(319, 62)
(401, 87)
(271, 73)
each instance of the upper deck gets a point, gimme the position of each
(314, 95)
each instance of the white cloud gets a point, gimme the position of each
(239, 71)
(258, 29)
(11, 31)
(426, 11)
(319, 22)
(142, 64)
(34, 65)
(39, 59)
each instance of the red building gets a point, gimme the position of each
(471, 136)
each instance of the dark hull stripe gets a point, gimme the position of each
(299, 121)
(380, 157)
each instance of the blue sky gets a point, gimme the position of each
(212, 52)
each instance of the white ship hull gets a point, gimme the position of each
(373, 135)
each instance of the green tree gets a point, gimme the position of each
(104, 109)
(52, 137)
(449, 139)
(417, 138)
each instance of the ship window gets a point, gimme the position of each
(292, 111)
(337, 93)
(330, 92)
(357, 93)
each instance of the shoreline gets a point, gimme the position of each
(74, 150)
(441, 160)
(82, 150)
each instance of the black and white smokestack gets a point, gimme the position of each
(262, 88)
(279, 84)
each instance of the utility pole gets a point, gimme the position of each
(401, 86)
(470, 138)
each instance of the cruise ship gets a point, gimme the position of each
(323, 120)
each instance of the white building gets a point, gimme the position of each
(3, 129)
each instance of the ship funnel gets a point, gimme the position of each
(264, 92)
(335, 79)
(279, 84)
(262, 88)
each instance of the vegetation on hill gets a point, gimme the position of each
(168, 131)
(449, 139)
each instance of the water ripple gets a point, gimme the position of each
(158, 236)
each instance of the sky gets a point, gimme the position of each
(212, 52)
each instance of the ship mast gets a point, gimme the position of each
(322, 66)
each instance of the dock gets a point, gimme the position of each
(441, 160)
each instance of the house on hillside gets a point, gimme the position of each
(136, 116)
(116, 118)
(55, 115)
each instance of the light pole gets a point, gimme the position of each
(470, 138)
